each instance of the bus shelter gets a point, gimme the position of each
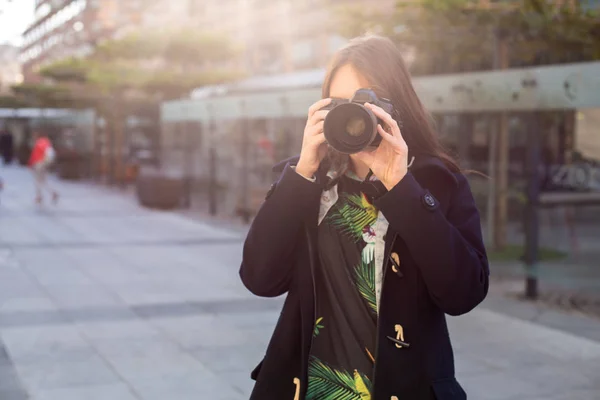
(222, 140)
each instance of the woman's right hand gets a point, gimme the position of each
(314, 147)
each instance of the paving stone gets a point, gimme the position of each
(134, 328)
(14, 395)
(204, 332)
(498, 386)
(25, 302)
(188, 387)
(156, 367)
(240, 381)
(230, 359)
(469, 367)
(86, 295)
(46, 344)
(41, 376)
(58, 274)
(126, 303)
(139, 346)
(263, 319)
(104, 392)
(9, 379)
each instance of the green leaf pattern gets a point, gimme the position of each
(326, 383)
(318, 326)
(364, 279)
(354, 214)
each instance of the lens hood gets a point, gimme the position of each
(350, 128)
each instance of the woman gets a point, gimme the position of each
(372, 249)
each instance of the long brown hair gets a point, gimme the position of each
(380, 62)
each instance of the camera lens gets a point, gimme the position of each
(350, 128)
(356, 126)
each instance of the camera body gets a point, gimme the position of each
(350, 127)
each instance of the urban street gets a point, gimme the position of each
(102, 299)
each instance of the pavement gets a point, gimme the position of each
(103, 300)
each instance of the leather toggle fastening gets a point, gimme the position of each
(297, 384)
(399, 339)
(395, 259)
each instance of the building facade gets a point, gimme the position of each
(277, 36)
(64, 28)
(10, 69)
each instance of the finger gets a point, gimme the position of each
(387, 136)
(317, 116)
(397, 143)
(384, 116)
(317, 106)
(394, 137)
(320, 138)
(316, 128)
(317, 141)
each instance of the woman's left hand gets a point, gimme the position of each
(389, 162)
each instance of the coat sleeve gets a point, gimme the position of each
(447, 245)
(267, 261)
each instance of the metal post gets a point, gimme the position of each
(244, 131)
(491, 200)
(286, 146)
(212, 169)
(532, 227)
(501, 62)
(188, 148)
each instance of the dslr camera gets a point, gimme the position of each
(350, 127)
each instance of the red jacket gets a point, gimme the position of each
(39, 151)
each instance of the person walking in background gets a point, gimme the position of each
(42, 156)
(6, 146)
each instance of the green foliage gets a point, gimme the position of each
(12, 102)
(460, 35)
(135, 46)
(44, 95)
(191, 47)
(512, 253)
(186, 45)
(158, 64)
(68, 70)
(355, 19)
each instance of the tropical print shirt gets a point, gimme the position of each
(341, 358)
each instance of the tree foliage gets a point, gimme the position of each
(131, 75)
(160, 65)
(45, 96)
(12, 102)
(460, 35)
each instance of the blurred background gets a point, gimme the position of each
(167, 116)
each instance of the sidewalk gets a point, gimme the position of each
(103, 300)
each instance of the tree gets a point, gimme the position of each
(142, 69)
(45, 95)
(451, 36)
(12, 102)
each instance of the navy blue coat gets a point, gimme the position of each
(434, 231)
